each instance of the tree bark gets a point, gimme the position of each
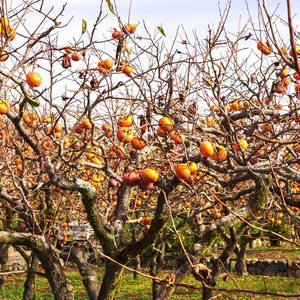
(137, 265)
(89, 276)
(111, 281)
(61, 289)
(29, 286)
(4, 257)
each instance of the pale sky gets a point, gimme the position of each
(193, 15)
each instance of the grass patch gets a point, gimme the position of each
(142, 287)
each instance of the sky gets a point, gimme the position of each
(195, 16)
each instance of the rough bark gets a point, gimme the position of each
(241, 266)
(89, 276)
(29, 285)
(4, 257)
(216, 270)
(136, 265)
(111, 281)
(157, 262)
(61, 289)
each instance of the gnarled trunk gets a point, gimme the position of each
(111, 281)
(89, 276)
(4, 257)
(29, 285)
(241, 266)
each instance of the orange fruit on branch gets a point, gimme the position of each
(4, 107)
(124, 135)
(160, 132)
(138, 143)
(127, 70)
(79, 129)
(33, 79)
(220, 153)
(108, 63)
(149, 175)
(125, 121)
(243, 144)
(182, 171)
(68, 49)
(165, 124)
(4, 56)
(193, 167)
(177, 138)
(86, 124)
(132, 28)
(76, 56)
(206, 149)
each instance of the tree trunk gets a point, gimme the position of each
(46, 253)
(157, 262)
(89, 276)
(137, 265)
(111, 281)
(241, 266)
(29, 286)
(4, 257)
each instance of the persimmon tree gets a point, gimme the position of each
(146, 135)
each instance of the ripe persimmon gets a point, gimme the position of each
(132, 28)
(217, 215)
(296, 76)
(280, 89)
(286, 82)
(177, 138)
(86, 124)
(149, 175)
(138, 143)
(4, 56)
(79, 129)
(116, 34)
(33, 79)
(108, 63)
(165, 124)
(105, 127)
(124, 135)
(127, 70)
(68, 49)
(76, 56)
(58, 127)
(243, 144)
(206, 149)
(182, 171)
(297, 51)
(26, 119)
(102, 70)
(193, 167)
(160, 132)
(126, 29)
(220, 153)
(125, 121)
(297, 87)
(284, 73)
(4, 107)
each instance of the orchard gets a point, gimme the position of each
(141, 141)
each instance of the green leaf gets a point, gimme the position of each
(78, 220)
(32, 102)
(110, 6)
(83, 29)
(161, 30)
